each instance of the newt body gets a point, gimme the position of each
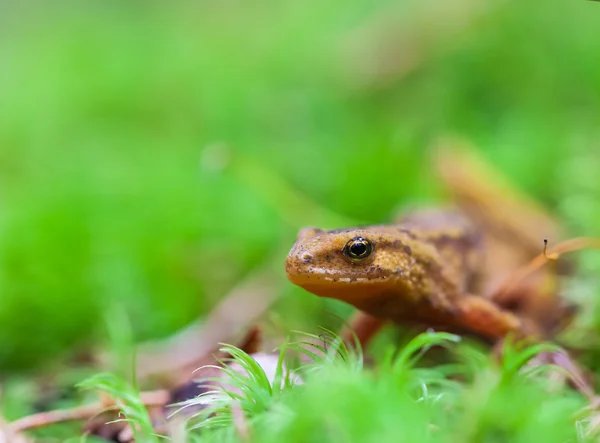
(424, 269)
(441, 268)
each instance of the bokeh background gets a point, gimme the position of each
(153, 153)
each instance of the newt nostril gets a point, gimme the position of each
(306, 257)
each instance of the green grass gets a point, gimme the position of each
(153, 154)
(335, 397)
(127, 400)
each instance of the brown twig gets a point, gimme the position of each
(158, 398)
(576, 375)
(85, 412)
(8, 435)
(574, 244)
(193, 347)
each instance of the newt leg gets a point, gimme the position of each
(538, 304)
(482, 317)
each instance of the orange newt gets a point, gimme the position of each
(435, 267)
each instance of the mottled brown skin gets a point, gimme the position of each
(425, 269)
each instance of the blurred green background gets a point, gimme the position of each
(148, 149)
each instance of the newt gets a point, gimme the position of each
(437, 267)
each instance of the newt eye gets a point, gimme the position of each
(358, 248)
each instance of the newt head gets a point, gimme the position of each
(354, 265)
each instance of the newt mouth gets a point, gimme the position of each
(325, 279)
(327, 284)
(358, 292)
